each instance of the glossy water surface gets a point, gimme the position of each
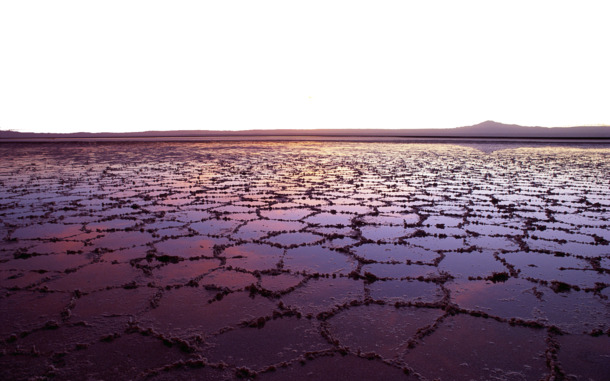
(304, 260)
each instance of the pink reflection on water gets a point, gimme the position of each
(185, 312)
(464, 347)
(46, 231)
(187, 247)
(261, 228)
(279, 340)
(289, 239)
(319, 295)
(183, 272)
(233, 280)
(96, 276)
(385, 330)
(253, 257)
(317, 259)
(25, 310)
(50, 262)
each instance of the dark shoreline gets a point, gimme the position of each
(321, 138)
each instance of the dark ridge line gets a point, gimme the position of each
(488, 128)
(296, 137)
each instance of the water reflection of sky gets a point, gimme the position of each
(376, 249)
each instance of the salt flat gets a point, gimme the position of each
(304, 260)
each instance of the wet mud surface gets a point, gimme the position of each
(303, 260)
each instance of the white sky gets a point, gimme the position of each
(68, 66)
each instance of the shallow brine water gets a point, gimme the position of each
(304, 260)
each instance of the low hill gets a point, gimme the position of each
(489, 129)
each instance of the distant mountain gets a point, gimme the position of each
(494, 129)
(487, 129)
